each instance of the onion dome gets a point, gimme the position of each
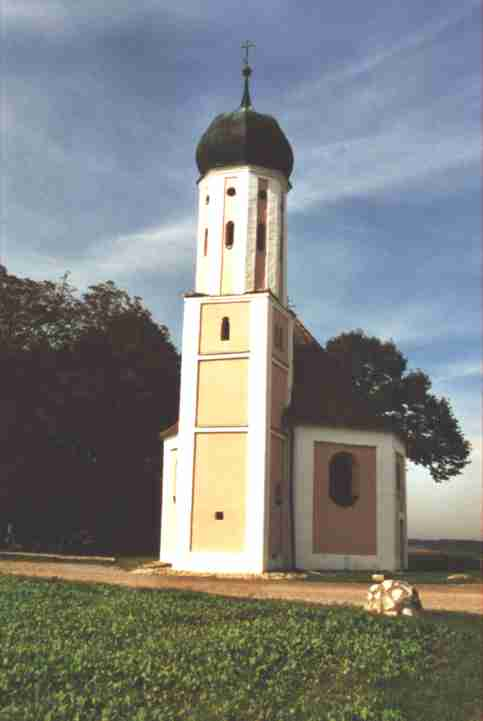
(244, 137)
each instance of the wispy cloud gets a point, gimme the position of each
(45, 14)
(416, 321)
(165, 250)
(61, 15)
(378, 163)
(375, 60)
(458, 370)
(386, 121)
(410, 322)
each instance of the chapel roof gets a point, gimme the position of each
(171, 431)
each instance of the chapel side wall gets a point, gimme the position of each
(390, 506)
(350, 530)
(383, 557)
(168, 509)
(401, 499)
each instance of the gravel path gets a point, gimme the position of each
(467, 598)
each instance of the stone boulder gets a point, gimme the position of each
(393, 598)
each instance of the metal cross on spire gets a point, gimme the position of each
(246, 102)
(246, 46)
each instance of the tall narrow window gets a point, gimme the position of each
(205, 247)
(225, 329)
(229, 234)
(342, 488)
(261, 233)
(278, 494)
(278, 337)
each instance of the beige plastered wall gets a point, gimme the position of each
(385, 444)
(222, 392)
(219, 485)
(212, 315)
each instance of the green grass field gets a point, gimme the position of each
(85, 652)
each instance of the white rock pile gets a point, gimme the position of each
(393, 598)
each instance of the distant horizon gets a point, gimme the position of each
(444, 538)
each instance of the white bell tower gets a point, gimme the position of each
(241, 244)
(226, 473)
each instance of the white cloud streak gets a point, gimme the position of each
(64, 15)
(375, 61)
(164, 249)
(43, 14)
(457, 370)
(383, 127)
(364, 166)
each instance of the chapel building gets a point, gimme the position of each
(269, 466)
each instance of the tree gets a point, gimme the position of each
(86, 385)
(377, 374)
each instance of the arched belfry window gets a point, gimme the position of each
(261, 235)
(225, 329)
(342, 479)
(229, 234)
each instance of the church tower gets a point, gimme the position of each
(225, 488)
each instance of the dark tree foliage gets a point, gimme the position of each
(86, 384)
(362, 381)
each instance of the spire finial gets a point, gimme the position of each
(246, 102)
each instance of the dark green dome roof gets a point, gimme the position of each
(244, 137)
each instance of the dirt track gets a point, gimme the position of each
(467, 598)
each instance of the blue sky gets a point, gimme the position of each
(103, 105)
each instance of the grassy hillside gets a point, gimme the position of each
(90, 652)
